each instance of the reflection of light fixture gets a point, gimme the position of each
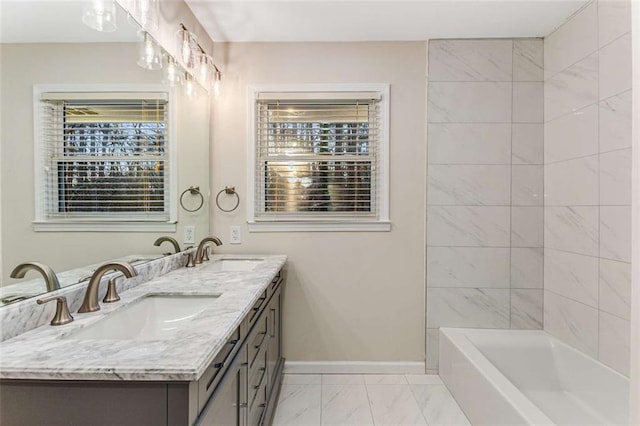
(189, 86)
(217, 76)
(99, 15)
(186, 46)
(145, 12)
(150, 55)
(172, 74)
(197, 65)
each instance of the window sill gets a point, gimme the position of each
(52, 226)
(332, 226)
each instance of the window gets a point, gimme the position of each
(103, 161)
(320, 158)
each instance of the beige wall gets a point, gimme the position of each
(635, 290)
(351, 296)
(24, 65)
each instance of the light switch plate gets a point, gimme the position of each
(189, 236)
(235, 235)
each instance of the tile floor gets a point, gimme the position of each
(345, 399)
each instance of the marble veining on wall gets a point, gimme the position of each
(587, 172)
(485, 186)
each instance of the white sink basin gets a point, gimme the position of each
(234, 265)
(155, 317)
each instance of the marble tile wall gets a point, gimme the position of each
(587, 181)
(485, 184)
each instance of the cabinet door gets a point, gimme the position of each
(227, 405)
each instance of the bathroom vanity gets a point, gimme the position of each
(220, 366)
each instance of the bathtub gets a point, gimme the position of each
(523, 377)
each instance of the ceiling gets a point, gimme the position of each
(55, 21)
(58, 21)
(360, 20)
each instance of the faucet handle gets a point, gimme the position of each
(62, 315)
(112, 291)
(205, 254)
(190, 261)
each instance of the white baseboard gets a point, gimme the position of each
(353, 367)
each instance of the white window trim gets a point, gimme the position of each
(40, 223)
(382, 223)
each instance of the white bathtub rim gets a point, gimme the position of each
(521, 404)
(542, 333)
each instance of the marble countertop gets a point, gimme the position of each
(49, 352)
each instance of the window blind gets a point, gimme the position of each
(105, 158)
(317, 158)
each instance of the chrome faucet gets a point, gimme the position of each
(90, 302)
(201, 253)
(50, 278)
(173, 241)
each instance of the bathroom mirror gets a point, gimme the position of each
(46, 43)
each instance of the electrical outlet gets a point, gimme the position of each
(189, 236)
(235, 235)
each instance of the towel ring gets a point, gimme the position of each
(230, 190)
(194, 190)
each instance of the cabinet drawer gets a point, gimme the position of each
(257, 338)
(212, 376)
(257, 308)
(275, 283)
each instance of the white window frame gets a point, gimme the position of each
(42, 223)
(380, 223)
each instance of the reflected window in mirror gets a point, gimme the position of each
(105, 160)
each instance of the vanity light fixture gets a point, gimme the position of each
(99, 15)
(194, 58)
(150, 56)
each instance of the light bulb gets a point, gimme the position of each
(189, 86)
(186, 42)
(216, 83)
(150, 56)
(203, 69)
(146, 12)
(172, 74)
(144, 6)
(100, 15)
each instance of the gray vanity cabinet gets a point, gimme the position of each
(240, 387)
(265, 367)
(275, 361)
